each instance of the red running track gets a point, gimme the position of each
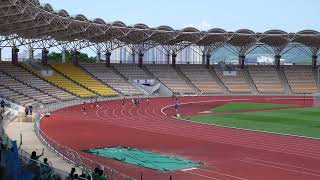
(228, 153)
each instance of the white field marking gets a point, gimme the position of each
(285, 169)
(288, 165)
(222, 174)
(283, 134)
(196, 103)
(208, 177)
(189, 169)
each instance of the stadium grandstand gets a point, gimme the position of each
(79, 92)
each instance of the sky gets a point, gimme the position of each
(231, 15)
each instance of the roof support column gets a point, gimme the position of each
(98, 58)
(14, 55)
(0, 54)
(140, 59)
(44, 59)
(314, 61)
(133, 58)
(208, 60)
(30, 53)
(203, 58)
(63, 53)
(168, 58)
(108, 58)
(75, 57)
(277, 60)
(174, 56)
(241, 60)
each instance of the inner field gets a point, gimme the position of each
(293, 119)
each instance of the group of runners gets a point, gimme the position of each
(136, 101)
(93, 103)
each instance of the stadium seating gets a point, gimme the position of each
(111, 78)
(16, 97)
(200, 76)
(63, 83)
(235, 84)
(170, 78)
(84, 79)
(26, 90)
(131, 71)
(34, 81)
(301, 79)
(266, 79)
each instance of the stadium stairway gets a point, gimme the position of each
(250, 81)
(284, 81)
(215, 77)
(84, 79)
(155, 77)
(61, 82)
(187, 80)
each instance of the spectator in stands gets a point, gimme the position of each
(95, 174)
(71, 175)
(34, 158)
(2, 104)
(76, 177)
(101, 176)
(30, 110)
(26, 111)
(46, 170)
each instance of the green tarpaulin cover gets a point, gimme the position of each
(145, 158)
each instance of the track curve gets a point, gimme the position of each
(228, 153)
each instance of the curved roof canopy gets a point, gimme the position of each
(30, 19)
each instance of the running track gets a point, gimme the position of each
(228, 153)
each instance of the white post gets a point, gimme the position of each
(30, 53)
(98, 58)
(63, 55)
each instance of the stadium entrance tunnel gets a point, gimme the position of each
(145, 159)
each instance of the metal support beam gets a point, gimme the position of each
(0, 54)
(44, 59)
(108, 60)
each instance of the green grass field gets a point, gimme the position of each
(238, 106)
(295, 121)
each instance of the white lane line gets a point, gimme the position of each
(285, 169)
(282, 164)
(222, 174)
(208, 177)
(189, 169)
